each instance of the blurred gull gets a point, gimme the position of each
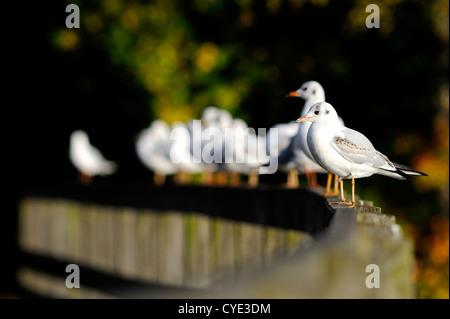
(88, 160)
(181, 153)
(215, 121)
(247, 151)
(346, 152)
(153, 150)
(285, 132)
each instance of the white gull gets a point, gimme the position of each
(346, 152)
(88, 160)
(153, 150)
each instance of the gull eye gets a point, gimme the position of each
(304, 89)
(316, 112)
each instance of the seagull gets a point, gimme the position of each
(244, 152)
(180, 153)
(345, 152)
(217, 120)
(291, 154)
(296, 157)
(87, 159)
(153, 150)
(312, 92)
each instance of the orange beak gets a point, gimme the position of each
(294, 94)
(301, 119)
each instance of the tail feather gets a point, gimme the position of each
(408, 171)
(400, 172)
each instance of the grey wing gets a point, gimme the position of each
(357, 148)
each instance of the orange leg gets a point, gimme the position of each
(235, 179)
(84, 178)
(328, 191)
(353, 193)
(182, 178)
(311, 177)
(292, 179)
(253, 178)
(336, 184)
(159, 179)
(342, 191)
(222, 178)
(208, 178)
(343, 202)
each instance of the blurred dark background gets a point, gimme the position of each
(134, 61)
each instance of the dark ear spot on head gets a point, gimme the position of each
(327, 111)
(314, 92)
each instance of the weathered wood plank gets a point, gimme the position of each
(198, 250)
(249, 244)
(296, 240)
(86, 233)
(73, 230)
(41, 235)
(103, 244)
(124, 242)
(223, 248)
(146, 245)
(274, 243)
(57, 231)
(171, 248)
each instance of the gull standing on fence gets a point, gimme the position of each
(153, 150)
(88, 160)
(291, 157)
(247, 152)
(296, 157)
(312, 92)
(181, 153)
(214, 121)
(346, 152)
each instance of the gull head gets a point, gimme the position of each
(79, 137)
(226, 120)
(239, 124)
(211, 116)
(309, 90)
(160, 127)
(215, 117)
(321, 112)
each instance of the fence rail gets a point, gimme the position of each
(166, 247)
(183, 239)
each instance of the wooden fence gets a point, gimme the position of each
(182, 239)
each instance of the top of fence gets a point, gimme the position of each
(299, 209)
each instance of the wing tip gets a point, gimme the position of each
(411, 172)
(408, 171)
